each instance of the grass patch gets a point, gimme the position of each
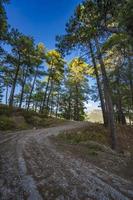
(6, 123)
(92, 152)
(20, 119)
(5, 110)
(94, 137)
(77, 137)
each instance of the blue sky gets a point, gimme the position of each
(42, 19)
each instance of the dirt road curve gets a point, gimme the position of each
(31, 168)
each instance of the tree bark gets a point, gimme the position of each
(76, 107)
(49, 94)
(104, 112)
(108, 98)
(45, 93)
(22, 91)
(51, 106)
(121, 116)
(14, 84)
(131, 79)
(32, 88)
(7, 94)
(57, 105)
(69, 105)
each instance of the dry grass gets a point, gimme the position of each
(92, 144)
(20, 119)
(98, 133)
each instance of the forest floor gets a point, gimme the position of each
(43, 164)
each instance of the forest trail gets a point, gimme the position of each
(31, 168)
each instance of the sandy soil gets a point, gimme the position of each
(31, 168)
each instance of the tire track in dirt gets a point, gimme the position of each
(31, 168)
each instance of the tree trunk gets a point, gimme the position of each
(69, 105)
(14, 84)
(32, 88)
(76, 107)
(108, 99)
(22, 91)
(104, 112)
(121, 116)
(57, 105)
(49, 94)
(7, 94)
(51, 106)
(45, 94)
(131, 79)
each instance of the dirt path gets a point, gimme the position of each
(31, 168)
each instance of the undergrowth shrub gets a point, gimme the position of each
(6, 123)
(84, 136)
(5, 110)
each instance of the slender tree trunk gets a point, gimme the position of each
(14, 84)
(45, 94)
(69, 105)
(104, 112)
(129, 115)
(46, 90)
(51, 106)
(76, 107)
(131, 89)
(57, 105)
(22, 91)
(121, 116)
(49, 94)
(36, 105)
(131, 79)
(32, 88)
(108, 97)
(7, 94)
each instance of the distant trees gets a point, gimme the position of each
(77, 73)
(72, 97)
(20, 61)
(55, 74)
(37, 60)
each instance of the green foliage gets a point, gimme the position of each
(5, 110)
(3, 20)
(19, 119)
(55, 65)
(83, 136)
(92, 139)
(125, 17)
(33, 120)
(115, 40)
(78, 69)
(6, 123)
(92, 151)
